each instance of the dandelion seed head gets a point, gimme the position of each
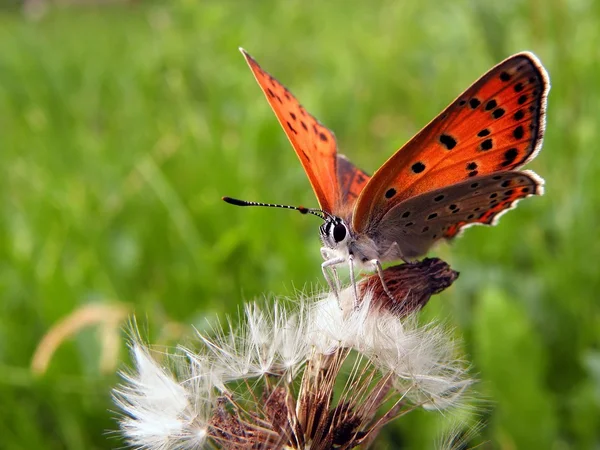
(264, 342)
(230, 352)
(457, 435)
(423, 358)
(290, 343)
(270, 379)
(160, 413)
(327, 329)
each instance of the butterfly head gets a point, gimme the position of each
(334, 232)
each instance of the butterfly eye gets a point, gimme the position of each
(339, 232)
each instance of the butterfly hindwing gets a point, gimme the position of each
(415, 224)
(352, 180)
(314, 144)
(495, 125)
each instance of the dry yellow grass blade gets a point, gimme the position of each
(107, 316)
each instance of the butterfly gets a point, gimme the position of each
(461, 169)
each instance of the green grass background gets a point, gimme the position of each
(122, 126)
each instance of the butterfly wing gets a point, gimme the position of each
(495, 125)
(314, 144)
(415, 224)
(352, 180)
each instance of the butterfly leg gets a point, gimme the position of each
(329, 264)
(326, 256)
(394, 249)
(379, 268)
(353, 280)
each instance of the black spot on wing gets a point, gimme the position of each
(418, 167)
(486, 145)
(498, 112)
(292, 129)
(490, 105)
(447, 141)
(509, 157)
(519, 132)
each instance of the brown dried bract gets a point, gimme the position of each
(411, 285)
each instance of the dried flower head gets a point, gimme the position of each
(412, 285)
(312, 376)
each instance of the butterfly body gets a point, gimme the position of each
(460, 170)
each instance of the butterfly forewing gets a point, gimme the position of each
(314, 144)
(495, 125)
(415, 224)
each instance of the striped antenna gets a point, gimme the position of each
(315, 212)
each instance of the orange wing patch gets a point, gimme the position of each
(495, 125)
(314, 144)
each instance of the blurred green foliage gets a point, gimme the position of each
(123, 125)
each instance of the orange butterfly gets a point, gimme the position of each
(460, 170)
